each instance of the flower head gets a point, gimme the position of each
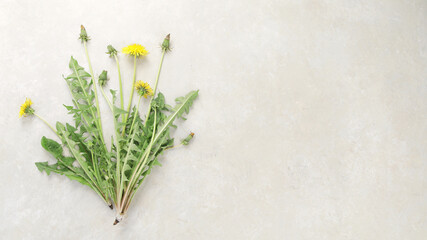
(143, 89)
(83, 34)
(165, 44)
(186, 140)
(111, 50)
(135, 50)
(26, 108)
(102, 79)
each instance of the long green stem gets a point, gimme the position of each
(175, 146)
(99, 121)
(155, 85)
(121, 87)
(131, 91)
(106, 99)
(96, 93)
(44, 120)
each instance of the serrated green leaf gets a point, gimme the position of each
(118, 111)
(51, 146)
(185, 103)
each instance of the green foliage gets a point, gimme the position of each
(95, 164)
(115, 172)
(63, 166)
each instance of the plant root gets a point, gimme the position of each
(116, 221)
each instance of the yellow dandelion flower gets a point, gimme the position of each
(135, 50)
(143, 89)
(26, 108)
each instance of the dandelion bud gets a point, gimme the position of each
(83, 34)
(165, 44)
(102, 80)
(111, 50)
(186, 140)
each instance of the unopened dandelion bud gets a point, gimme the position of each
(83, 34)
(103, 78)
(111, 50)
(187, 140)
(165, 44)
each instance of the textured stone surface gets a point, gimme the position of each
(311, 120)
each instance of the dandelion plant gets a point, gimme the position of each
(116, 171)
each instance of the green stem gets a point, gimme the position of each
(131, 92)
(44, 120)
(99, 121)
(155, 86)
(175, 146)
(121, 87)
(96, 94)
(106, 99)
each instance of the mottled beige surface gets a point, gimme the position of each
(311, 121)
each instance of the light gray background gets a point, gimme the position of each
(311, 120)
